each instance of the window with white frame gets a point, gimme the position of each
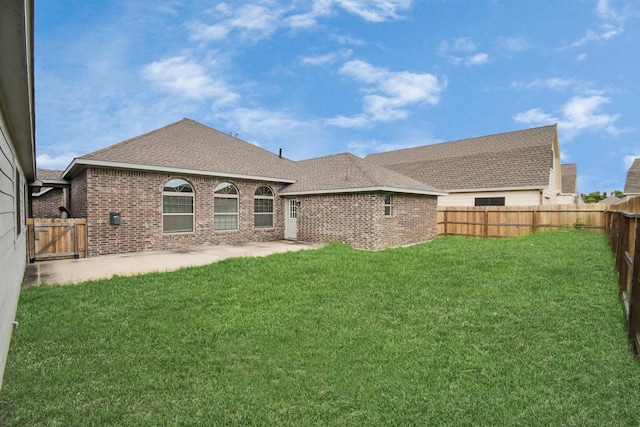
(177, 207)
(225, 207)
(263, 208)
(388, 200)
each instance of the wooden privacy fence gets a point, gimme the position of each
(52, 238)
(513, 221)
(624, 229)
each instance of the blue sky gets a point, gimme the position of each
(329, 76)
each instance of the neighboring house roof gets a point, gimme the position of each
(47, 179)
(520, 159)
(49, 175)
(190, 147)
(342, 173)
(632, 185)
(569, 178)
(612, 200)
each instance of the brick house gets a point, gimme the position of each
(188, 185)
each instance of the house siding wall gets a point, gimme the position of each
(358, 219)
(137, 195)
(13, 242)
(47, 204)
(512, 198)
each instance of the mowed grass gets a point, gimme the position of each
(458, 331)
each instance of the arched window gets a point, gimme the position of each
(177, 207)
(225, 207)
(263, 208)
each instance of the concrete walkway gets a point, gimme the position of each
(103, 267)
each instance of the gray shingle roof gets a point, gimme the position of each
(189, 145)
(632, 184)
(570, 178)
(49, 174)
(346, 172)
(507, 160)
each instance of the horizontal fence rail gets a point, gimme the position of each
(513, 221)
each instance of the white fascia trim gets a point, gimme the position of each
(132, 166)
(365, 190)
(41, 192)
(489, 190)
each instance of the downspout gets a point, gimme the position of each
(541, 196)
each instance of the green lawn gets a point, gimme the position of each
(458, 331)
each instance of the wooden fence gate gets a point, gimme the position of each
(55, 238)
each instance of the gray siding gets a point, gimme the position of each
(13, 248)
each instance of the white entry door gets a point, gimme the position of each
(290, 225)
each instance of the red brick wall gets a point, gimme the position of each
(46, 205)
(137, 195)
(78, 197)
(359, 221)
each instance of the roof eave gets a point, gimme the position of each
(364, 190)
(17, 80)
(493, 189)
(79, 164)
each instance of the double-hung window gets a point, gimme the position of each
(263, 208)
(225, 207)
(177, 207)
(388, 199)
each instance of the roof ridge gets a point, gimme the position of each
(371, 178)
(464, 139)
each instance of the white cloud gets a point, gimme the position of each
(514, 44)
(250, 20)
(389, 93)
(613, 25)
(254, 21)
(357, 121)
(326, 59)
(462, 51)
(346, 39)
(577, 86)
(478, 59)
(187, 79)
(580, 114)
(280, 129)
(374, 10)
(628, 160)
(59, 162)
(606, 12)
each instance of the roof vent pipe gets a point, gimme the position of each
(280, 154)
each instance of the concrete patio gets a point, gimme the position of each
(103, 267)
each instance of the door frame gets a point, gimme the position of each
(291, 222)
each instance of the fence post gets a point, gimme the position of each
(445, 222)
(632, 321)
(486, 223)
